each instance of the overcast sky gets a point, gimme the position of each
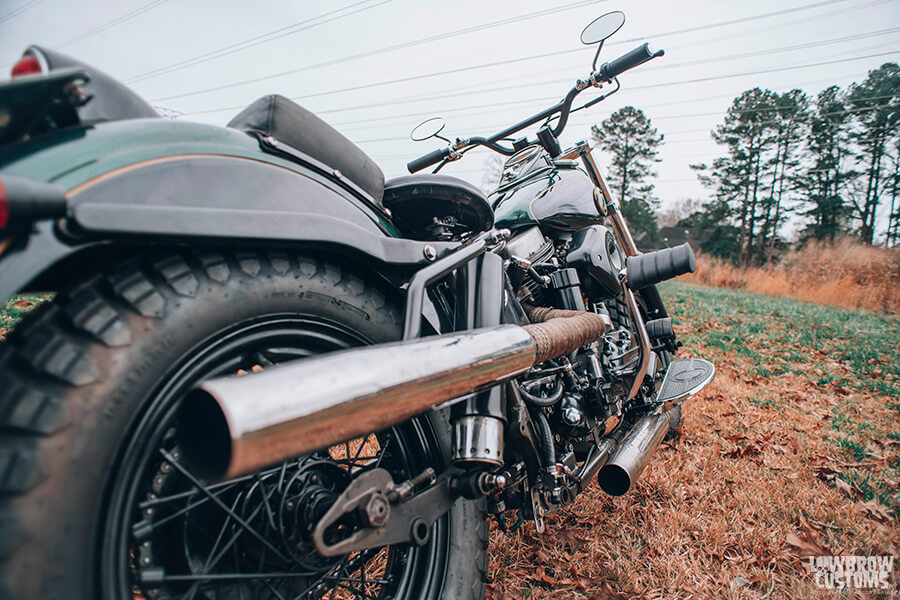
(407, 60)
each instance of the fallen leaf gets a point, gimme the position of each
(805, 547)
(877, 511)
(845, 487)
(807, 542)
(540, 575)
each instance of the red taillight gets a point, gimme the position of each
(4, 206)
(27, 65)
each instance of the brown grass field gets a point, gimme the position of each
(792, 451)
(844, 274)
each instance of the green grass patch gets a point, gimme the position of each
(823, 344)
(16, 308)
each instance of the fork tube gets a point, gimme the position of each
(623, 235)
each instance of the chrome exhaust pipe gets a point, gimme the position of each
(634, 453)
(237, 425)
(232, 426)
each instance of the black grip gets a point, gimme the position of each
(428, 160)
(651, 268)
(629, 60)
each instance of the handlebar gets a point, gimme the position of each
(429, 159)
(629, 60)
(607, 73)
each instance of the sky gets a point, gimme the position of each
(375, 68)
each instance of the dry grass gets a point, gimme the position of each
(845, 274)
(791, 451)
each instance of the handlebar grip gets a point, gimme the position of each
(629, 60)
(649, 269)
(429, 159)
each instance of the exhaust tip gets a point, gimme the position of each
(203, 435)
(614, 480)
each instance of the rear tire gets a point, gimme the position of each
(91, 382)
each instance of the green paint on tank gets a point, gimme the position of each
(70, 158)
(558, 197)
(512, 206)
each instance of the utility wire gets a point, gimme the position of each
(489, 26)
(18, 11)
(541, 102)
(667, 117)
(117, 21)
(641, 87)
(263, 38)
(401, 46)
(646, 69)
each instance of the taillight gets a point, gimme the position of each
(27, 65)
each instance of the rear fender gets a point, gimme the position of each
(232, 195)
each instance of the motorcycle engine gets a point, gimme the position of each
(578, 393)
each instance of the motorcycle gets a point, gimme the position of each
(267, 373)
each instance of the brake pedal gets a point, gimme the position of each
(683, 379)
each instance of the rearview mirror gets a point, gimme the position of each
(602, 27)
(428, 128)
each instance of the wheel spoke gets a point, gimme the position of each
(265, 495)
(206, 567)
(218, 487)
(246, 526)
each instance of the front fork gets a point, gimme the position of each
(607, 208)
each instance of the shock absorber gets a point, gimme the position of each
(478, 422)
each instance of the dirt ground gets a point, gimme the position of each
(791, 452)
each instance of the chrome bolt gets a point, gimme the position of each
(429, 251)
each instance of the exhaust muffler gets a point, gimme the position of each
(634, 453)
(237, 425)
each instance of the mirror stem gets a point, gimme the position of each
(597, 55)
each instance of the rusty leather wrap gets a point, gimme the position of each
(556, 332)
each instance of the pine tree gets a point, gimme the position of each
(789, 120)
(876, 113)
(738, 179)
(822, 183)
(633, 145)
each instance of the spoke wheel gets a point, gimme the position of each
(172, 535)
(99, 505)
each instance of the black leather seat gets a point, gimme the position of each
(415, 200)
(292, 124)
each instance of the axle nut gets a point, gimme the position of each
(376, 511)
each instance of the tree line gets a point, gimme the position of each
(792, 166)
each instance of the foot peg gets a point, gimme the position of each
(683, 379)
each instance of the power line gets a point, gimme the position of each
(468, 93)
(264, 38)
(18, 11)
(692, 115)
(401, 46)
(550, 98)
(641, 87)
(127, 16)
(489, 26)
(541, 101)
(503, 62)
